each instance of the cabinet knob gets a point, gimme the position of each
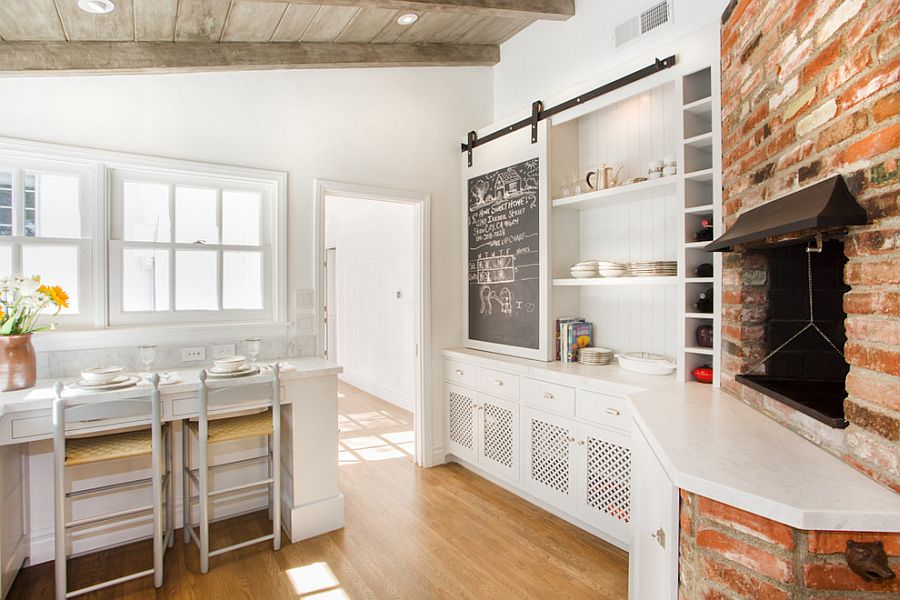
(571, 439)
(473, 407)
(581, 442)
(459, 371)
(613, 412)
(548, 395)
(498, 382)
(660, 536)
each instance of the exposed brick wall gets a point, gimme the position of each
(727, 553)
(809, 90)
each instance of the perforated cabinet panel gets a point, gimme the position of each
(551, 455)
(498, 449)
(609, 479)
(461, 421)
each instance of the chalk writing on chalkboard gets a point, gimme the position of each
(504, 256)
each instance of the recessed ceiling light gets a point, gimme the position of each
(97, 7)
(408, 19)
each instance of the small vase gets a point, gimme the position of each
(18, 368)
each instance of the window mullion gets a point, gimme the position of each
(18, 203)
(220, 270)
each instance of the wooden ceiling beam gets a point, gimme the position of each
(34, 58)
(551, 10)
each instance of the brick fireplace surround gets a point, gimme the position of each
(809, 90)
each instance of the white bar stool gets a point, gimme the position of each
(266, 423)
(70, 451)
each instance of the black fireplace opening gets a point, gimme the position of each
(808, 373)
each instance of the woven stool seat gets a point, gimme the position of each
(80, 451)
(235, 428)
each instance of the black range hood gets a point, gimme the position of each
(827, 205)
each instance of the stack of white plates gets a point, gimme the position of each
(610, 269)
(653, 268)
(584, 270)
(595, 356)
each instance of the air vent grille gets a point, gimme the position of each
(645, 22)
(654, 17)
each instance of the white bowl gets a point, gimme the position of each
(583, 274)
(646, 363)
(230, 363)
(100, 375)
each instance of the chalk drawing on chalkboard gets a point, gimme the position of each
(503, 298)
(497, 269)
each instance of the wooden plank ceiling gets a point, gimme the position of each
(52, 36)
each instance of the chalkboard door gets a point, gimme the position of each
(507, 270)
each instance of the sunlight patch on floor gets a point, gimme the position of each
(316, 580)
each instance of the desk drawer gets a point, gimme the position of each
(460, 373)
(606, 410)
(498, 383)
(549, 396)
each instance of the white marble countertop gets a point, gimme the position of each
(713, 445)
(41, 395)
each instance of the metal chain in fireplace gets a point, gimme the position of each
(811, 324)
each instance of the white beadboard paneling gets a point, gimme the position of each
(633, 318)
(641, 230)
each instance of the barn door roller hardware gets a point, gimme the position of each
(538, 113)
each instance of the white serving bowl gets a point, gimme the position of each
(100, 375)
(583, 274)
(230, 363)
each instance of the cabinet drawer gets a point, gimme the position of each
(606, 410)
(460, 373)
(549, 396)
(498, 383)
(42, 425)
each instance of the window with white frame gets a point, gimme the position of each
(46, 222)
(144, 241)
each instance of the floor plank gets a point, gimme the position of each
(410, 533)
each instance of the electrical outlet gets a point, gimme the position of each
(304, 299)
(193, 354)
(222, 351)
(306, 323)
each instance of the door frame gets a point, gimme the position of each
(423, 422)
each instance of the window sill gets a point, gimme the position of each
(194, 334)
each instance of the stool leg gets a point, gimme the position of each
(170, 487)
(204, 497)
(158, 459)
(270, 473)
(276, 486)
(186, 481)
(59, 498)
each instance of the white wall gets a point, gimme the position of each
(394, 128)
(375, 245)
(552, 56)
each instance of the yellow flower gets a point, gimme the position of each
(56, 294)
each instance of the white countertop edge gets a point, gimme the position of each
(692, 481)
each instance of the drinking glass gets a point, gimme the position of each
(148, 355)
(253, 345)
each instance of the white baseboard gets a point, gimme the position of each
(404, 402)
(621, 544)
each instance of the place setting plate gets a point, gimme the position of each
(117, 383)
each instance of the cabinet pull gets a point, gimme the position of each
(548, 395)
(581, 442)
(613, 412)
(660, 536)
(571, 439)
(459, 371)
(498, 382)
(473, 407)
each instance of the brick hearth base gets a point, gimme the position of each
(727, 553)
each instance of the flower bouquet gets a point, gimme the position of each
(22, 302)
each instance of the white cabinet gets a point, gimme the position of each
(604, 498)
(653, 562)
(549, 449)
(483, 430)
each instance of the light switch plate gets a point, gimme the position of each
(222, 351)
(193, 354)
(304, 299)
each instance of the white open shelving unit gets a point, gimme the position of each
(674, 115)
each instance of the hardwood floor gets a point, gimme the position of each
(410, 533)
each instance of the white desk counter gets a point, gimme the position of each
(311, 504)
(716, 446)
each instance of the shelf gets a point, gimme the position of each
(651, 188)
(699, 315)
(704, 175)
(699, 107)
(696, 350)
(702, 141)
(601, 281)
(699, 210)
(698, 280)
(697, 245)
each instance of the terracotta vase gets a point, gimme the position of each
(18, 369)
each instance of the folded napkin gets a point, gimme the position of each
(282, 367)
(164, 379)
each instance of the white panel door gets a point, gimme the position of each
(653, 561)
(604, 496)
(498, 436)
(461, 421)
(550, 458)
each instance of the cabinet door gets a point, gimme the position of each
(604, 496)
(653, 566)
(461, 412)
(498, 439)
(550, 458)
